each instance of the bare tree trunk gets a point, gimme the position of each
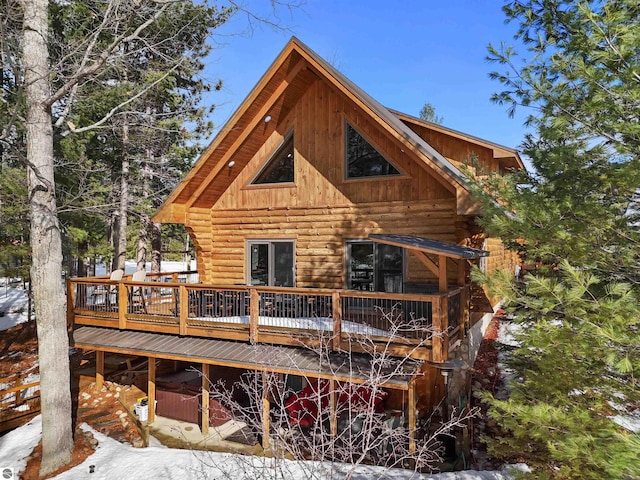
(143, 235)
(156, 247)
(46, 245)
(120, 248)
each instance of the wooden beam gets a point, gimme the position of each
(430, 264)
(436, 334)
(257, 118)
(336, 307)
(333, 417)
(462, 271)
(123, 306)
(443, 284)
(266, 412)
(151, 389)
(99, 370)
(254, 312)
(204, 419)
(183, 308)
(71, 301)
(412, 416)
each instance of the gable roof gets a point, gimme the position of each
(284, 82)
(508, 157)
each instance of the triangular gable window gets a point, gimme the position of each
(279, 168)
(362, 159)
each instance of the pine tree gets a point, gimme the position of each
(576, 217)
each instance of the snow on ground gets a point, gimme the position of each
(113, 459)
(13, 304)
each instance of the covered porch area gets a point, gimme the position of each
(333, 371)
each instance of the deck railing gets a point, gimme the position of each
(170, 303)
(19, 401)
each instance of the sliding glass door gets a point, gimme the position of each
(374, 267)
(271, 263)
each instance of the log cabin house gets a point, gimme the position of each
(322, 222)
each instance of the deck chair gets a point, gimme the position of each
(107, 290)
(136, 294)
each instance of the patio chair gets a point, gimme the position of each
(136, 294)
(106, 290)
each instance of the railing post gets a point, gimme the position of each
(18, 391)
(336, 313)
(71, 302)
(183, 308)
(123, 306)
(464, 311)
(439, 325)
(254, 310)
(444, 309)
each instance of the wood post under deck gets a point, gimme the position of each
(204, 419)
(266, 412)
(99, 370)
(151, 393)
(333, 419)
(412, 416)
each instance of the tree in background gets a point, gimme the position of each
(576, 216)
(57, 59)
(428, 114)
(56, 71)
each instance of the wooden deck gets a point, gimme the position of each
(415, 324)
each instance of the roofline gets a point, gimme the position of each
(435, 159)
(387, 117)
(437, 126)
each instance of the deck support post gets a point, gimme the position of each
(333, 418)
(99, 370)
(266, 412)
(204, 419)
(151, 389)
(412, 416)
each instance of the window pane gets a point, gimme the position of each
(259, 264)
(279, 169)
(389, 268)
(363, 160)
(361, 266)
(283, 264)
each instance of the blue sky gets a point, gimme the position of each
(402, 53)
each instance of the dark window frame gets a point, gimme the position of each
(275, 157)
(396, 173)
(370, 279)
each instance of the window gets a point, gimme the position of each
(279, 168)
(271, 263)
(362, 159)
(374, 267)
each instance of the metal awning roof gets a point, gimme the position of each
(355, 367)
(427, 245)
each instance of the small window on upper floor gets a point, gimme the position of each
(362, 159)
(280, 167)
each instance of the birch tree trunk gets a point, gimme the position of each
(46, 245)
